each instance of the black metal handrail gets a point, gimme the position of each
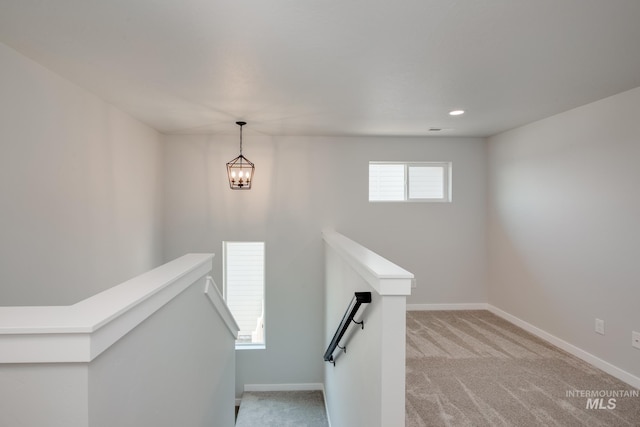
(358, 299)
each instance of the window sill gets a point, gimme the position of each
(251, 347)
(412, 201)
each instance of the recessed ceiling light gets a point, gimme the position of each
(456, 112)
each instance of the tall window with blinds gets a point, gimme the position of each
(244, 282)
(409, 181)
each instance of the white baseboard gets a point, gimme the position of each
(610, 369)
(436, 307)
(284, 387)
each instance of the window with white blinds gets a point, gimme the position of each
(244, 289)
(386, 182)
(407, 182)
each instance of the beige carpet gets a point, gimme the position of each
(471, 368)
(282, 409)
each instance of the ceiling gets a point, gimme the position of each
(334, 67)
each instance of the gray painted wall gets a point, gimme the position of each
(303, 184)
(564, 225)
(80, 189)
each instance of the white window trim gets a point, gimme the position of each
(447, 193)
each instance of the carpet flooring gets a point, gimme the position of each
(282, 409)
(472, 368)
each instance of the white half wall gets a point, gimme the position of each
(50, 394)
(157, 350)
(365, 386)
(303, 185)
(175, 369)
(564, 226)
(80, 189)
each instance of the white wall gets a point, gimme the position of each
(303, 184)
(564, 225)
(80, 189)
(175, 369)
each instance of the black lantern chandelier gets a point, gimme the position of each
(240, 170)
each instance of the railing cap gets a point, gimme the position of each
(74, 333)
(384, 276)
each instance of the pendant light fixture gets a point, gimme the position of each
(240, 170)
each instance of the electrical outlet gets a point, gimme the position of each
(600, 326)
(635, 339)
